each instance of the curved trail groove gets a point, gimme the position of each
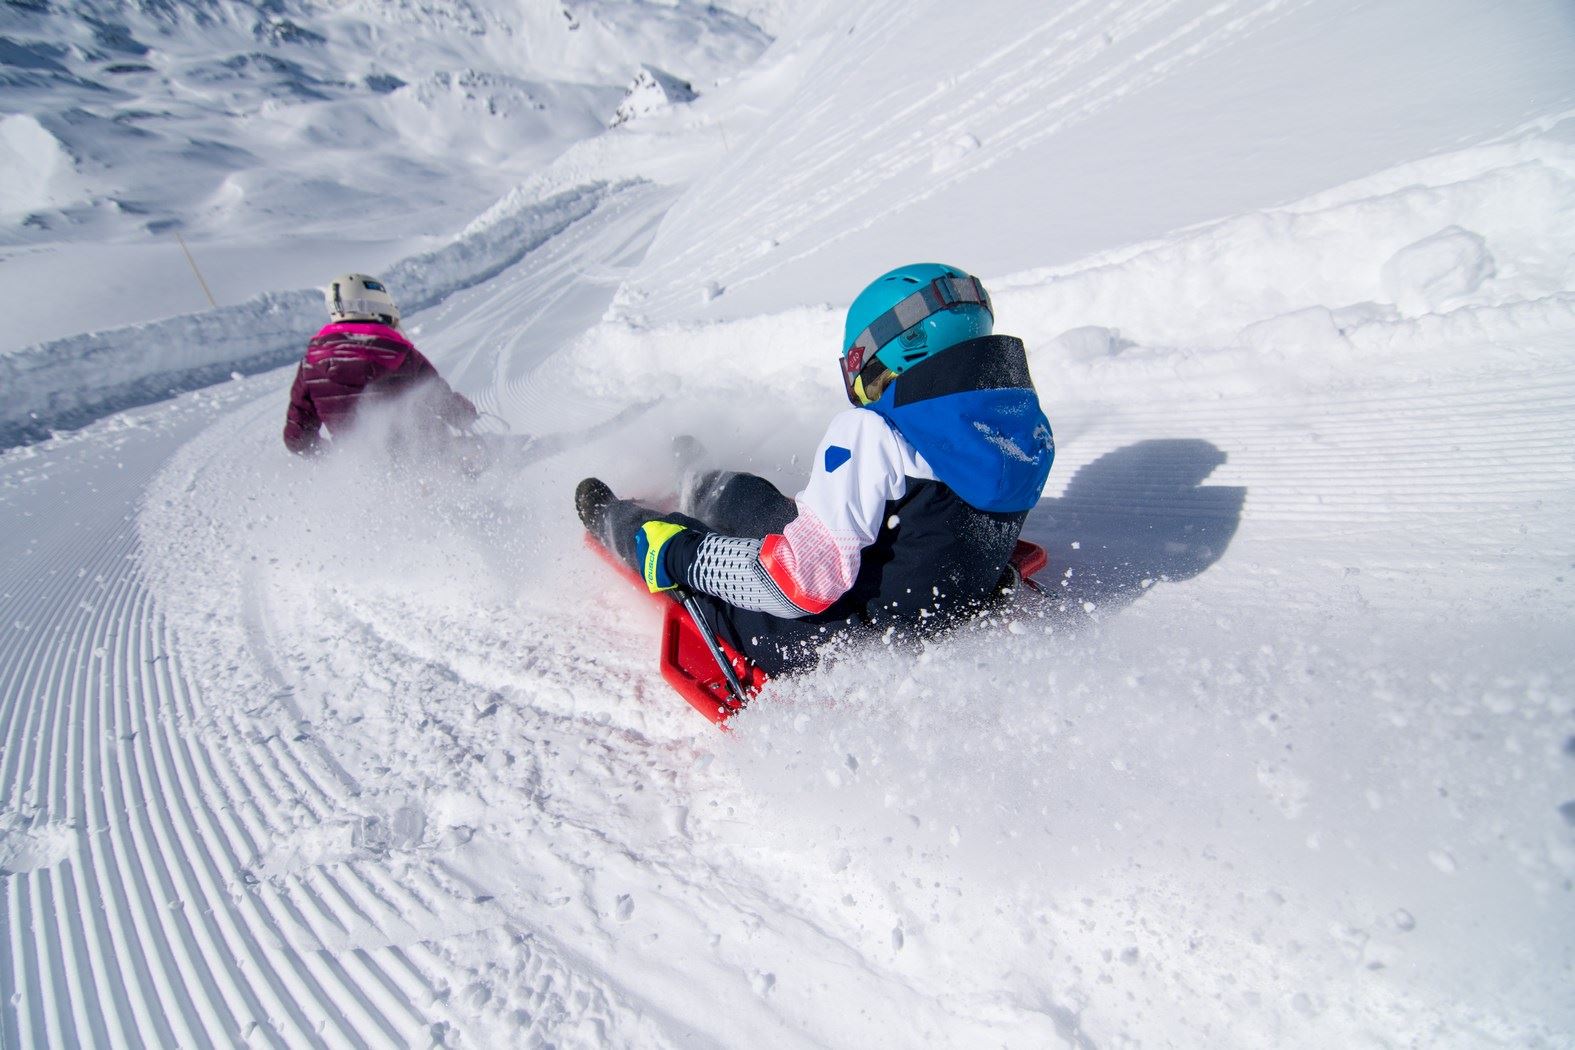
(186, 860)
(139, 927)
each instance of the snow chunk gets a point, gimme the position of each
(1092, 342)
(24, 849)
(1296, 333)
(1287, 790)
(1423, 276)
(651, 91)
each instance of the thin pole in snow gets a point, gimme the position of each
(182, 242)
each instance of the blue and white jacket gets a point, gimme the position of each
(914, 504)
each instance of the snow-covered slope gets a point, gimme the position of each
(1285, 761)
(1034, 135)
(290, 138)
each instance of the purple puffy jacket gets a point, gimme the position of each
(349, 360)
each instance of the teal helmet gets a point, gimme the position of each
(907, 316)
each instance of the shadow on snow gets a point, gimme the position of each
(1139, 516)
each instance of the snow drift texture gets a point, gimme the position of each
(1284, 760)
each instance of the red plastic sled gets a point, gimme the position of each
(687, 663)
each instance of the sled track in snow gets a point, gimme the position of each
(137, 806)
(186, 863)
(548, 299)
(128, 922)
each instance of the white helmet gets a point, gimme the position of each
(357, 297)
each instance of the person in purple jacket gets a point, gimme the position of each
(361, 357)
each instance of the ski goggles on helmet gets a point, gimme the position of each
(854, 368)
(863, 373)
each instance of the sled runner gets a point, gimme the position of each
(687, 661)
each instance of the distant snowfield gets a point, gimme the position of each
(1286, 759)
(287, 142)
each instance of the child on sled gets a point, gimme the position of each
(912, 508)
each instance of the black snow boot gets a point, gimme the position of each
(591, 499)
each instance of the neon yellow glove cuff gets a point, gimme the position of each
(651, 542)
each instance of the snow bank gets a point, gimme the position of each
(1422, 277)
(70, 381)
(1314, 290)
(1420, 239)
(1047, 137)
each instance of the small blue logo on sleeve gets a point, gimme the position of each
(836, 455)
